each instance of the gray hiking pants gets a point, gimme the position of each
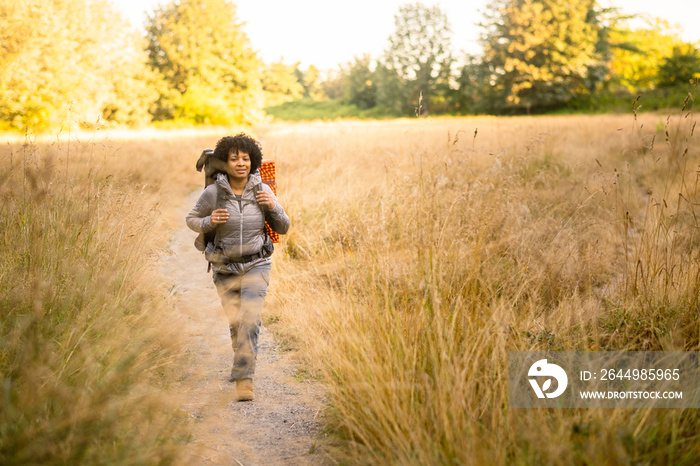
(242, 298)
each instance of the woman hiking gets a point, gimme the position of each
(236, 207)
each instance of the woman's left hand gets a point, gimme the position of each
(266, 199)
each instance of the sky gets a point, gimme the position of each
(327, 33)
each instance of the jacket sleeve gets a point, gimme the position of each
(199, 218)
(277, 217)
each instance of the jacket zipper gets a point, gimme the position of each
(240, 229)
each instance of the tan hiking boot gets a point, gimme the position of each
(244, 389)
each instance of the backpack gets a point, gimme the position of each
(211, 166)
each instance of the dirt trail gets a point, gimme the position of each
(281, 426)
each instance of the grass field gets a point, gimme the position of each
(421, 251)
(85, 350)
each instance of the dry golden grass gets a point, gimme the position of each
(85, 349)
(423, 250)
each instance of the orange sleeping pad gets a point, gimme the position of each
(267, 173)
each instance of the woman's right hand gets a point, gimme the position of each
(219, 217)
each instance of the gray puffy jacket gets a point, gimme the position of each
(243, 234)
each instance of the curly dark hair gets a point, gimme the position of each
(239, 143)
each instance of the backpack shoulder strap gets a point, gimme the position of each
(211, 236)
(256, 188)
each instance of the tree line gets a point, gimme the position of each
(537, 56)
(67, 61)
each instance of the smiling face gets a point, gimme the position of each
(238, 165)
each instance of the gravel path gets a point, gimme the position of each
(281, 427)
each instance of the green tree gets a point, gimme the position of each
(64, 62)
(636, 67)
(311, 82)
(682, 67)
(390, 90)
(360, 88)
(539, 52)
(202, 52)
(473, 87)
(606, 22)
(419, 53)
